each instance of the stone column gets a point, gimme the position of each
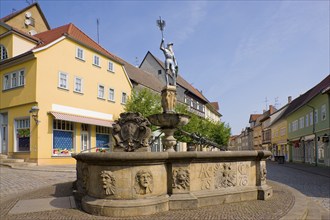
(168, 99)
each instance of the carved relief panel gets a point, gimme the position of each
(143, 182)
(108, 182)
(181, 179)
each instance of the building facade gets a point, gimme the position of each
(58, 96)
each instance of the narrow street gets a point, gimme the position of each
(312, 181)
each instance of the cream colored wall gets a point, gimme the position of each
(277, 138)
(53, 60)
(21, 45)
(7, 41)
(18, 21)
(20, 95)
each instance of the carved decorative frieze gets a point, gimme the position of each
(263, 174)
(143, 182)
(109, 182)
(225, 176)
(181, 179)
(131, 132)
(206, 175)
(243, 171)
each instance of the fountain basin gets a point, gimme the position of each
(169, 120)
(122, 184)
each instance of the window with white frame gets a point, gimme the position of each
(295, 125)
(307, 120)
(311, 118)
(111, 66)
(316, 116)
(123, 98)
(100, 91)
(3, 52)
(323, 112)
(78, 84)
(63, 138)
(301, 123)
(14, 79)
(80, 53)
(22, 134)
(96, 60)
(111, 94)
(63, 79)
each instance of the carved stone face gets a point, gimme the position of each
(182, 176)
(145, 179)
(108, 182)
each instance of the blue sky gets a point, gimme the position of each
(236, 52)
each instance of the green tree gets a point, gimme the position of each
(145, 102)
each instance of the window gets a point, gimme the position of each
(111, 94)
(100, 93)
(3, 52)
(14, 79)
(96, 60)
(197, 105)
(159, 72)
(62, 138)
(80, 54)
(295, 125)
(63, 80)
(111, 67)
(301, 122)
(316, 115)
(78, 84)
(311, 118)
(123, 98)
(323, 112)
(22, 134)
(306, 120)
(102, 137)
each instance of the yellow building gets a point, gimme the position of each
(279, 139)
(60, 90)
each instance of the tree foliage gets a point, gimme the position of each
(149, 103)
(145, 102)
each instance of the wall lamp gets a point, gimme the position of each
(34, 113)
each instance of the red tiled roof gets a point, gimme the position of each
(254, 117)
(215, 105)
(71, 31)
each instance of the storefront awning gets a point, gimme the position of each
(81, 119)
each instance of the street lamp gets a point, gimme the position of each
(34, 113)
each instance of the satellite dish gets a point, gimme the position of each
(28, 14)
(27, 22)
(32, 32)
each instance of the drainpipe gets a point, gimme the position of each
(315, 140)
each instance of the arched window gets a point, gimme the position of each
(3, 52)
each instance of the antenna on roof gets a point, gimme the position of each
(266, 102)
(276, 103)
(136, 61)
(97, 26)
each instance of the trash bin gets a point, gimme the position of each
(281, 159)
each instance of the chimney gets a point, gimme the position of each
(289, 99)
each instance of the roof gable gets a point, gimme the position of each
(7, 19)
(72, 32)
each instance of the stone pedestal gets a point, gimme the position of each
(168, 99)
(168, 140)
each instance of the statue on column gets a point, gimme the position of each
(171, 65)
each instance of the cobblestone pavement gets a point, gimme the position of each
(16, 182)
(314, 182)
(29, 184)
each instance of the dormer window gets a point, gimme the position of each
(3, 52)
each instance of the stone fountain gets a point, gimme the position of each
(132, 181)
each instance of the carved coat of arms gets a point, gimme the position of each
(131, 132)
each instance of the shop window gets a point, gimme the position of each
(22, 130)
(102, 138)
(62, 138)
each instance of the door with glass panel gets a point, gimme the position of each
(85, 137)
